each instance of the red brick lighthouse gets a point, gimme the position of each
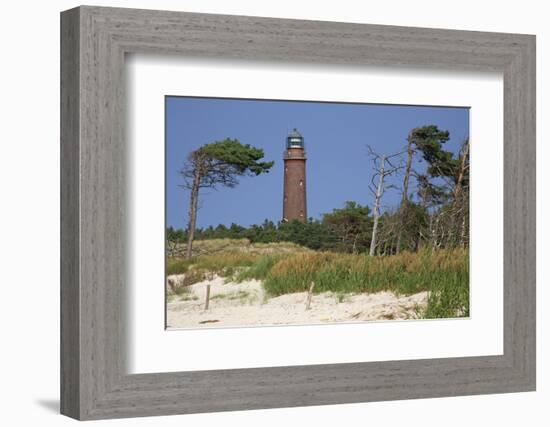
(294, 197)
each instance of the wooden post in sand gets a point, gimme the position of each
(309, 295)
(207, 297)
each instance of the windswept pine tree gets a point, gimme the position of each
(218, 163)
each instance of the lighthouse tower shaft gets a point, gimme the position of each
(295, 195)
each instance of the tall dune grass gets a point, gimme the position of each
(443, 273)
(223, 263)
(227, 256)
(261, 267)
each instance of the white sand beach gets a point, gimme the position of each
(245, 304)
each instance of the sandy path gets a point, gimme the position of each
(244, 304)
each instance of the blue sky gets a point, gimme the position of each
(336, 136)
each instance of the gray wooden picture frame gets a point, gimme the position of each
(94, 382)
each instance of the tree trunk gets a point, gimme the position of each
(434, 225)
(465, 215)
(461, 172)
(193, 213)
(463, 232)
(376, 212)
(405, 196)
(458, 195)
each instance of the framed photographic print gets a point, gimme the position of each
(404, 257)
(280, 213)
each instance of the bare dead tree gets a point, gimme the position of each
(388, 227)
(406, 178)
(383, 167)
(462, 193)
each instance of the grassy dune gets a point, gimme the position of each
(286, 268)
(225, 256)
(444, 273)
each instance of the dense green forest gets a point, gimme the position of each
(346, 229)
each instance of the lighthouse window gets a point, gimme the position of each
(295, 142)
(301, 183)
